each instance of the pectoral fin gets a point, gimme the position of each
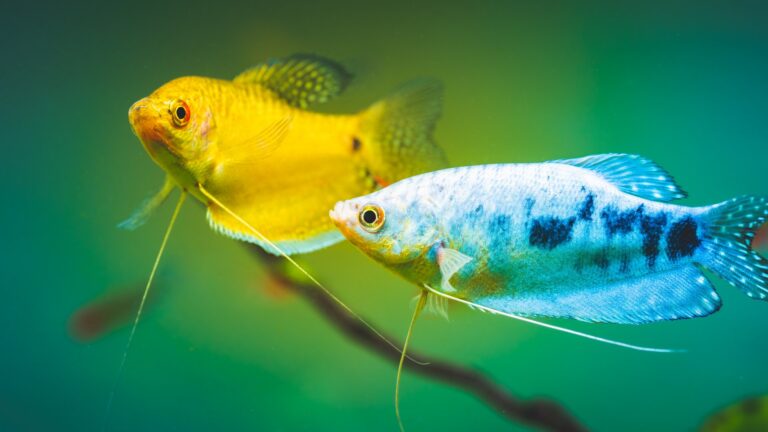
(450, 262)
(251, 150)
(148, 207)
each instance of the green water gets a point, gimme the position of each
(683, 83)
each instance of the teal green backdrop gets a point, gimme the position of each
(683, 83)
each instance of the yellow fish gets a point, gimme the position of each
(252, 144)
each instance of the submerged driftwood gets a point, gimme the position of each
(539, 413)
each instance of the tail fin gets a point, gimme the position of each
(728, 244)
(396, 133)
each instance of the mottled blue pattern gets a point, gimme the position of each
(588, 208)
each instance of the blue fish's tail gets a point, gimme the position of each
(728, 244)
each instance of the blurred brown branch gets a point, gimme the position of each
(538, 413)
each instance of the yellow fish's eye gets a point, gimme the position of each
(371, 218)
(180, 113)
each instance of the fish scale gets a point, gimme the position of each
(541, 230)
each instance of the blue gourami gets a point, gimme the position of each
(593, 239)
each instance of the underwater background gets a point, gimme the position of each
(683, 83)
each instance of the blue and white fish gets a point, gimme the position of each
(593, 239)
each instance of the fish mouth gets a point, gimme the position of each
(336, 214)
(144, 119)
(340, 215)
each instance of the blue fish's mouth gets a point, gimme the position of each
(339, 214)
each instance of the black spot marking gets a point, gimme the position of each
(587, 208)
(356, 144)
(550, 232)
(652, 227)
(682, 238)
(479, 209)
(624, 265)
(618, 222)
(601, 260)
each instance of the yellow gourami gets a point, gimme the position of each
(252, 143)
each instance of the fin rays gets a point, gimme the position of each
(147, 208)
(551, 326)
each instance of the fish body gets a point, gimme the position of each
(593, 239)
(254, 145)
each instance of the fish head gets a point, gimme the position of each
(175, 125)
(388, 226)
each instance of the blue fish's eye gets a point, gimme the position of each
(371, 218)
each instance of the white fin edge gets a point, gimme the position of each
(289, 247)
(551, 326)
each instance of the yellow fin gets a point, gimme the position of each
(322, 287)
(147, 208)
(221, 223)
(252, 150)
(396, 132)
(288, 199)
(301, 80)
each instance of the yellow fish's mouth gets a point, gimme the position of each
(146, 122)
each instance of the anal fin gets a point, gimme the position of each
(674, 294)
(220, 223)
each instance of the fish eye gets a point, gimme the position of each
(371, 218)
(180, 113)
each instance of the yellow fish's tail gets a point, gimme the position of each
(396, 133)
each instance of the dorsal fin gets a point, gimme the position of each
(632, 174)
(301, 79)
